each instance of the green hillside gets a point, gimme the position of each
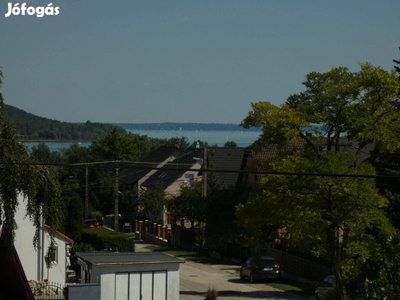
(33, 127)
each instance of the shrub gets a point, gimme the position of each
(211, 294)
(103, 239)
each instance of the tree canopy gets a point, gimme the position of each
(330, 215)
(20, 174)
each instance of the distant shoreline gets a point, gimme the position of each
(169, 126)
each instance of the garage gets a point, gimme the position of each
(131, 275)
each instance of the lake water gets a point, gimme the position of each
(241, 138)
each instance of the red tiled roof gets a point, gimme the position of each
(61, 235)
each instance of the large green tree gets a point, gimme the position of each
(220, 222)
(152, 202)
(188, 204)
(327, 215)
(19, 174)
(119, 146)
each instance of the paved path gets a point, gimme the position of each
(196, 278)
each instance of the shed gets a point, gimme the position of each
(131, 275)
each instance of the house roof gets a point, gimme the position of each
(269, 152)
(13, 281)
(171, 171)
(126, 258)
(219, 158)
(136, 171)
(230, 159)
(61, 235)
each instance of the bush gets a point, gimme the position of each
(103, 239)
(211, 294)
(74, 261)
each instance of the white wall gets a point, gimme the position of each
(32, 260)
(106, 274)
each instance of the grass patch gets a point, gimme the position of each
(294, 287)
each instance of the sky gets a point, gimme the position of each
(201, 61)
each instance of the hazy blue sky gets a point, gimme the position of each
(199, 61)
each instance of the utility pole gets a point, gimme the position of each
(116, 213)
(204, 174)
(87, 193)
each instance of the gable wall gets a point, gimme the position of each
(31, 260)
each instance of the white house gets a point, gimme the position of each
(132, 275)
(33, 261)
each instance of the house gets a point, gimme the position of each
(131, 275)
(13, 281)
(135, 174)
(33, 261)
(226, 162)
(182, 170)
(259, 160)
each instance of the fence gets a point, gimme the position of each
(87, 291)
(47, 290)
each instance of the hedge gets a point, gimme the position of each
(104, 240)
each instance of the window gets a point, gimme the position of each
(52, 256)
(189, 179)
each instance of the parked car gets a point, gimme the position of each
(90, 223)
(329, 284)
(260, 268)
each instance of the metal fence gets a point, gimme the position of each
(47, 290)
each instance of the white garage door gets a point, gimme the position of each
(141, 285)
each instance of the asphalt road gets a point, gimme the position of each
(197, 278)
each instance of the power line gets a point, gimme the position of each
(182, 167)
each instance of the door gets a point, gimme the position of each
(150, 285)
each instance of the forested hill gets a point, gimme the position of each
(182, 126)
(33, 127)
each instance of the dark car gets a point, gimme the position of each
(260, 268)
(92, 223)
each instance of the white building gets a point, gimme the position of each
(33, 261)
(132, 275)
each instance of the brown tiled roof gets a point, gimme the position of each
(269, 152)
(61, 235)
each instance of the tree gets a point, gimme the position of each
(21, 175)
(42, 154)
(74, 220)
(188, 204)
(230, 144)
(397, 68)
(329, 215)
(222, 228)
(117, 146)
(153, 201)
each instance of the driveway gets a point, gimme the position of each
(196, 278)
